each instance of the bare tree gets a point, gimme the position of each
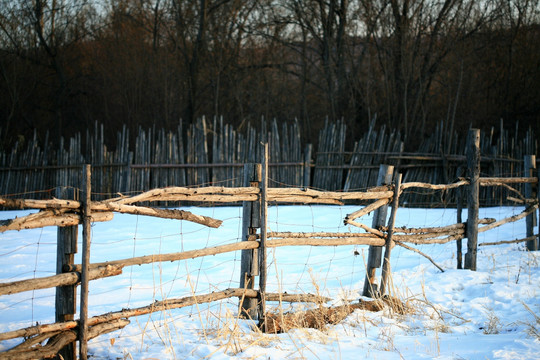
(42, 33)
(413, 38)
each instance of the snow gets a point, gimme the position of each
(493, 313)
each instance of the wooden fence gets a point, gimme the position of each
(213, 153)
(256, 195)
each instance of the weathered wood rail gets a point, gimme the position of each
(63, 213)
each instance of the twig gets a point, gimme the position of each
(419, 252)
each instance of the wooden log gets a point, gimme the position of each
(389, 243)
(529, 238)
(372, 194)
(513, 218)
(105, 328)
(86, 213)
(434, 186)
(496, 181)
(429, 230)
(250, 222)
(263, 239)
(422, 236)
(58, 340)
(166, 305)
(287, 234)
(217, 194)
(158, 306)
(39, 329)
(50, 218)
(367, 228)
(279, 297)
(191, 254)
(506, 186)
(211, 198)
(212, 194)
(522, 201)
(353, 240)
(29, 343)
(473, 172)
(291, 199)
(459, 213)
(366, 210)
(66, 247)
(529, 171)
(20, 204)
(486, 221)
(483, 181)
(161, 213)
(381, 188)
(65, 279)
(417, 241)
(375, 252)
(171, 192)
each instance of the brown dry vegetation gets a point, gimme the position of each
(322, 316)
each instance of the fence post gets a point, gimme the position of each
(459, 220)
(473, 173)
(262, 248)
(391, 224)
(66, 247)
(251, 219)
(529, 171)
(375, 252)
(83, 323)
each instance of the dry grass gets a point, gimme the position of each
(231, 338)
(493, 324)
(533, 328)
(322, 316)
(229, 334)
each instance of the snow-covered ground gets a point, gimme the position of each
(493, 313)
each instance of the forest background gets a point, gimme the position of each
(410, 63)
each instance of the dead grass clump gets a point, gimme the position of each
(533, 328)
(322, 316)
(397, 306)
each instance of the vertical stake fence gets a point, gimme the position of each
(473, 173)
(307, 165)
(375, 252)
